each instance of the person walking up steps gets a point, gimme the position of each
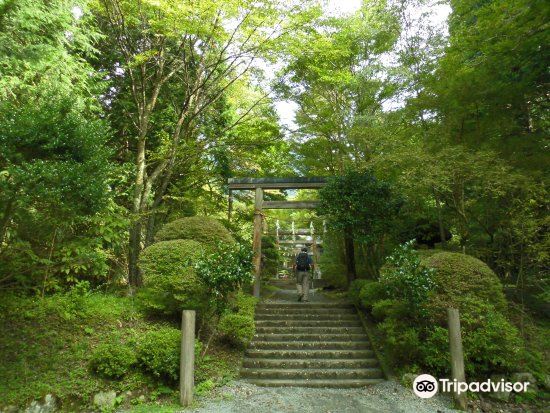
(302, 267)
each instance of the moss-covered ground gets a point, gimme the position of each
(46, 345)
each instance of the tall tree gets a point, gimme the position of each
(54, 166)
(173, 61)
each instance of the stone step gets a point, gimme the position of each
(305, 310)
(306, 316)
(309, 323)
(284, 304)
(309, 354)
(309, 363)
(310, 345)
(312, 374)
(310, 337)
(309, 330)
(327, 383)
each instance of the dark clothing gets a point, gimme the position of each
(308, 261)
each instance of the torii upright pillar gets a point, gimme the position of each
(257, 240)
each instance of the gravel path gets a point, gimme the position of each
(387, 397)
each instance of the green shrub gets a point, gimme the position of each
(402, 342)
(459, 277)
(208, 231)
(372, 292)
(244, 304)
(491, 344)
(158, 352)
(170, 282)
(238, 329)
(224, 271)
(354, 291)
(332, 261)
(113, 359)
(237, 326)
(413, 313)
(390, 308)
(270, 256)
(406, 279)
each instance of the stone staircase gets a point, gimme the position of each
(315, 344)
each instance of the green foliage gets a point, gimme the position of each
(238, 329)
(224, 271)
(402, 343)
(237, 324)
(406, 279)
(55, 169)
(244, 304)
(270, 256)
(208, 231)
(371, 292)
(389, 307)
(410, 300)
(360, 203)
(158, 352)
(48, 344)
(332, 261)
(113, 359)
(170, 281)
(355, 288)
(491, 344)
(458, 277)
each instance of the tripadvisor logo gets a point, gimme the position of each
(426, 386)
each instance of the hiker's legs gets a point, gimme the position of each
(299, 280)
(305, 286)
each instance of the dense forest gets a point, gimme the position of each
(121, 122)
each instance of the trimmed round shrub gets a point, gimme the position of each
(159, 352)
(206, 230)
(113, 360)
(491, 343)
(170, 282)
(460, 276)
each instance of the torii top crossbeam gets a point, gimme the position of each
(277, 183)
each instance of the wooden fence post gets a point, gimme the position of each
(187, 357)
(457, 356)
(257, 240)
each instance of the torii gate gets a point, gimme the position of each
(258, 185)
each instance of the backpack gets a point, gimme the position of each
(302, 262)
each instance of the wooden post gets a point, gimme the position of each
(229, 205)
(257, 240)
(187, 357)
(313, 247)
(457, 356)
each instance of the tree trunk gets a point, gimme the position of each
(440, 223)
(134, 245)
(349, 249)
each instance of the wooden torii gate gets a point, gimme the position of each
(259, 185)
